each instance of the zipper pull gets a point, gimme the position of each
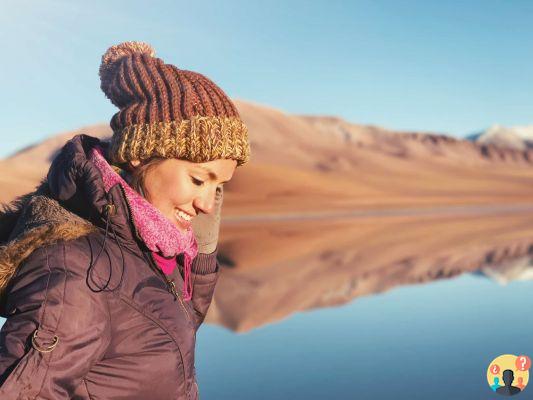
(172, 288)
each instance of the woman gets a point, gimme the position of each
(104, 279)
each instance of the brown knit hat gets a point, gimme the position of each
(168, 112)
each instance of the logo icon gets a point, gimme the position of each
(508, 374)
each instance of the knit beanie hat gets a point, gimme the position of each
(168, 112)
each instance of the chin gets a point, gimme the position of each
(181, 228)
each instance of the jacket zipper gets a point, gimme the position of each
(170, 283)
(152, 263)
(172, 289)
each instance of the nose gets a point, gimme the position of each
(205, 202)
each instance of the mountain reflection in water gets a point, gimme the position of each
(370, 308)
(278, 268)
(431, 341)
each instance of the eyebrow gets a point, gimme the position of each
(212, 175)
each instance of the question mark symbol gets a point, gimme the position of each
(523, 362)
(495, 369)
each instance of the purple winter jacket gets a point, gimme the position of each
(89, 314)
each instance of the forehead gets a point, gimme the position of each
(216, 169)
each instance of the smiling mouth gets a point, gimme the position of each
(183, 218)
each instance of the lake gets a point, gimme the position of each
(429, 341)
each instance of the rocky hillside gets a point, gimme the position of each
(303, 163)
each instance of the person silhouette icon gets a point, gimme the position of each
(496, 383)
(521, 383)
(508, 390)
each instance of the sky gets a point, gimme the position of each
(452, 67)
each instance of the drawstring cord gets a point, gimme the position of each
(187, 284)
(109, 210)
(121, 256)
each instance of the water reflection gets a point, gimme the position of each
(513, 269)
(431, 341)
(280, 268)
(437, 298)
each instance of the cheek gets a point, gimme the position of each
(165, 194)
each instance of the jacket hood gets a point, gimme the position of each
(35, 220)
(69, 203)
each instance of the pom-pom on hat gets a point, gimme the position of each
(166, 111)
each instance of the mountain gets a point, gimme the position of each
(309, 163)
(517, 137)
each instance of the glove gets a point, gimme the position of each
(206, 226)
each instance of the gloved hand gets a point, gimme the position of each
(206, 226)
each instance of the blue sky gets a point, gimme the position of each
(451, 67)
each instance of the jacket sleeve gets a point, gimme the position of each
(205, 272)
(56, 328)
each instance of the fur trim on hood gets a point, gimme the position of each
(32, 221)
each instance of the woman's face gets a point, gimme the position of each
(173, 185)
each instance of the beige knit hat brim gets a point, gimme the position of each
(199, 139)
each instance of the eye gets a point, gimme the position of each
(197, 181)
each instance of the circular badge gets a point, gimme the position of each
(508, 374)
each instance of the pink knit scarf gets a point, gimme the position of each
(159, 234)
